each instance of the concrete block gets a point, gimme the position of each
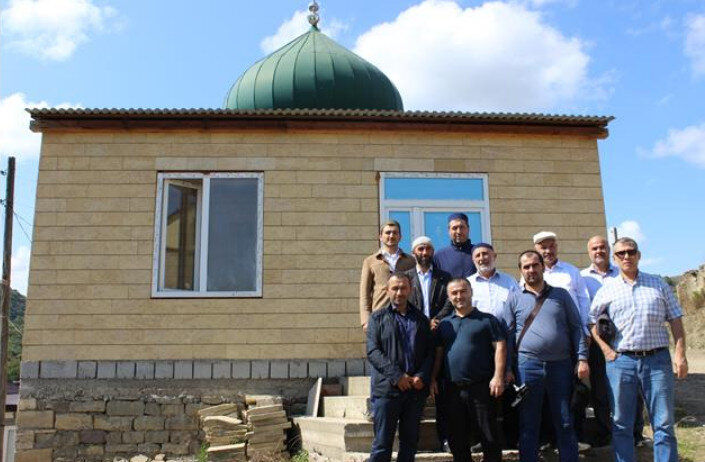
(260, 369)
(73, 421)
(148, 448)
(24, 439)
(34, 455)
(298, 369)
(29, 370)
(156, 436)
(152, 409)
(202, 370)
(183, 369)
(175, 448)
(355, 367)
(336, 368)
(87, 406)
(144, 370)
(146, 423)
(113, 437)
(317, 369)
(87, 369)
(221, 370)
(125, 370)
(133, 437)
(92, 437)
(35, 419)
(27, 404)
(127, 408)
(112, 423)
(182, 437)
(58, 369)
(193, 408)
(181, 422)
(172, 409)
(279, 369)
(113, 448)
(107, 369)
(163, 370)
(241, 369)
(91, 450)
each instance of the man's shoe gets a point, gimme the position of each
(368, 415)
(476, 449)
(446, 446)
(582, 447)
(545, 447)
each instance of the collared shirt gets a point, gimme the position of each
(425, 281)
(391, 258)
(555, 333)
(489, 294)
(639, 311)
(455, 260)
(595, 279)
(567, 276)
(467, 343)
(406, 329)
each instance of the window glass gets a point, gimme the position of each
(232, 235)
(180, 237)
(436, 227)
(434, 188)
(404, 219)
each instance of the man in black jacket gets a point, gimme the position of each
(400, 350)
(428, 294)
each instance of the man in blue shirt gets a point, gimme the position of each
(456, 259)
(471, 345)
(545, 349)
(639, 305)
(400, 350)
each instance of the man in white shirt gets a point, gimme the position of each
(490, 288)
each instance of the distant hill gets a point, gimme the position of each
(18, 303)
(690, 288)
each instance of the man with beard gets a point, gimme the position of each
(471, 345)
(400, 350)
(638, 360)
(456, 259)
(546, 334)
(377, 267)
(428, 293)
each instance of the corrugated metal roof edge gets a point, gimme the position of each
(322, 114)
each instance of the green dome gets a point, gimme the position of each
(313, 72)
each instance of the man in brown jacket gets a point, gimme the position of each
(377, 267)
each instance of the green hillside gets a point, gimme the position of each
(17, 307)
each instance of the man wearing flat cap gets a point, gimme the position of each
(456, 259)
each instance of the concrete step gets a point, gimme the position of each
(357, 407)
(332, 437)
(356, 386)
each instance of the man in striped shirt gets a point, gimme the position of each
(639, 304)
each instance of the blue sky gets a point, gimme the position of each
(641, 61)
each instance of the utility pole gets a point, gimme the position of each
(6, 295)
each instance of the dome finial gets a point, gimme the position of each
(313, 17)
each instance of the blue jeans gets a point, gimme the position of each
(653, 374)
(406, 409)
(555, 380)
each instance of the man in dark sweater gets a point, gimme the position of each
(546, 348)
(456, 259)
(472, 347)
(400, 350)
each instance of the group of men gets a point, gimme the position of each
(447, 322)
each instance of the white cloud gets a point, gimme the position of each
(20, 269)
(496, 56)
(15, 137)
(53, 29)
(295, 26)
(687, 143)
(631, 228)
(695, 43)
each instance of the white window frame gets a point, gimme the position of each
(202, 222)
(417, 207)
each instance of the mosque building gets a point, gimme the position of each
(185, 257)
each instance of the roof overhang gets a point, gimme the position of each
(44, 120)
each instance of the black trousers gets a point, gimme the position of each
(472, 408)
(599, 397)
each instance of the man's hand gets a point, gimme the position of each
(611, 355)
(509, 377)
(434, 323)
(583, 370)
(404, 382)
(680, 366)
(434, 387)
(496, 386)
(364, 328)
(417, 383)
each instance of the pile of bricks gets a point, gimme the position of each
(267, 420)
(224, 432)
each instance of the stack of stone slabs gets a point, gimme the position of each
(266, 418)
(224, 432)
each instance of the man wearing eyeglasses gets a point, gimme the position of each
(638, 359)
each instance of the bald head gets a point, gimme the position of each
(598, 251)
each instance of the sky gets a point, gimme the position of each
(642, 61)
